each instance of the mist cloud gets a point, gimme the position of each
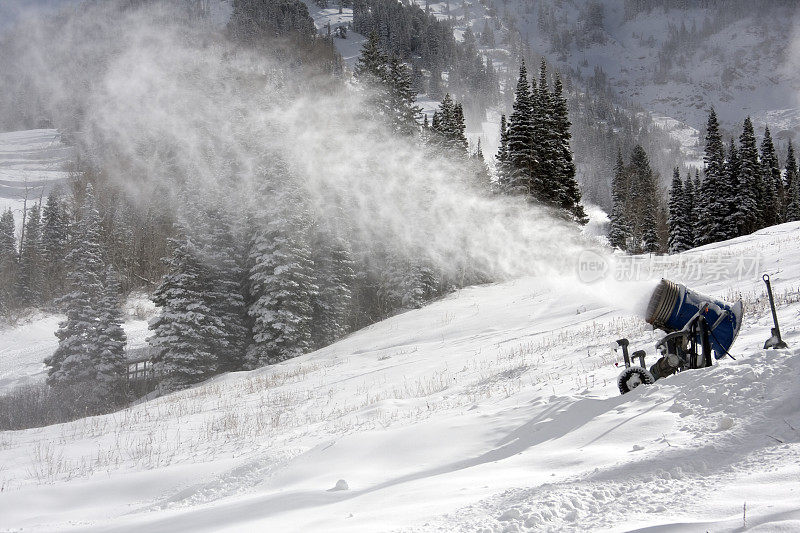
(163, 100)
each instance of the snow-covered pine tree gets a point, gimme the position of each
(734, 217)
(748, 191)
(642, 202)
(110, 358)
(9, 265)
(405, 282)
(281, 273)
(697, 199)
(483, 177)
(689, 212)
(334, 276)
(78, 364)
(449, 127)
(619, 230)
(370, 66)
(502, 169)
(181, 332)
(570, 193)
(650, 242)
(521, 158)
(222, 252)
(371, 70)
(459, 128)
(404, 112)
(545, 176)
(772, 184)
(713, 210)
(31, 260)
(793, 209)
(792, 187)
(678, 240)
(443, 122)
(54, 243)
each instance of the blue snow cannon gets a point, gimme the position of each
(673, 307)
(695, 325)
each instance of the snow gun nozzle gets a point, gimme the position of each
(673, 307)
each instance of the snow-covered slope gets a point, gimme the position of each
(495, 408)
(31, 163)
(742, 65)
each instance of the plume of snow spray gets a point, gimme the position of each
(168, 100)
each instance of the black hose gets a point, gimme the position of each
(721, 346)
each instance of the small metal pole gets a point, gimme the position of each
(775, 340)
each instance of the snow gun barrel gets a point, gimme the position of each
(672, 307)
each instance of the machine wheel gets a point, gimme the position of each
(633, 377)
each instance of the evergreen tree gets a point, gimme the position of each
(713, 211)
(793, 209)
(679, 234)
(223, 258)
(734, 218)
(650, 242)
(54, 243)
(502, 168)
(521, 158)
(87, 361)
(182, 332)
(792, 187)
(771, 183)
(110, 363)
(546, 185)
(370, 66)
(697, 199)
(748, 191)
(405, 281)
(448, 124)
(689, 212)
(619, 231)
(403, 110)
(570, 194)
(31, 261)
(371, 70)
(483, 177)
(9, 264)
(334, 277)
(281, 275)
(642, 202)
(459, 128)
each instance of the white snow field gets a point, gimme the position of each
(32, 162)
(494, 409)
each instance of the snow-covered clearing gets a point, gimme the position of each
(495, 408)
(31, 163)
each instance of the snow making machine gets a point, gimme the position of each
(695, 326)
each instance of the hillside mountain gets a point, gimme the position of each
(666, 62)
(493, 409)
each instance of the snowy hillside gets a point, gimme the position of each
(31, 164)
(675, 64)
(494, 409)
(742, 65)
